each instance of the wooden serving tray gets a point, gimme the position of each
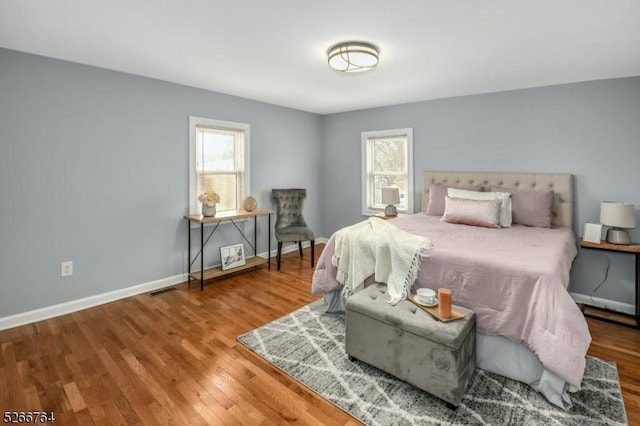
(433, 310)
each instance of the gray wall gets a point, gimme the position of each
(93, 168)
(591, 130)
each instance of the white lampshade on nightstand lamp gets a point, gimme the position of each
(390, 196)
(618, 216)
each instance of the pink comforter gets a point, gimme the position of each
(514, 279)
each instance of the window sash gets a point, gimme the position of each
(228, 186)
(373, 197)
(238, 139)
(398, 165)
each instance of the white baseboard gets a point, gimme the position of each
(99, 299)
(87, 302)
(613, 305)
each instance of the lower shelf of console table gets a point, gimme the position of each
(217, 272)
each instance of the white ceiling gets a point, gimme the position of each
(275, 50)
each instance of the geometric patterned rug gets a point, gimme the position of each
(308, 345)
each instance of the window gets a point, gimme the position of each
(218, 160)
(387, 160)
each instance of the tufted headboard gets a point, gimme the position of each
(560, 184)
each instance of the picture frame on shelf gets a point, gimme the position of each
(232, 256)
(592, 233)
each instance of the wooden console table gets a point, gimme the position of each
(227, 216)
(633, 249)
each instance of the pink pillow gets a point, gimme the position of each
(472, 212)
(437, 192)
(530, 208)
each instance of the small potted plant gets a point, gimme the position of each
(209, 200)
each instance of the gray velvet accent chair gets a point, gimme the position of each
(290, 224)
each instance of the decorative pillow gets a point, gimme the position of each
(530, 208)
(437, 192)
(472, 212)
(504, 197)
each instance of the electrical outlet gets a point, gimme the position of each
(66, 269)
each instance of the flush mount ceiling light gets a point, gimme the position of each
(353, 56)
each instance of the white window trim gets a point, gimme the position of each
(408, 132)
(220, 124)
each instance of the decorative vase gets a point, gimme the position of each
(249, 203)
(208, 209)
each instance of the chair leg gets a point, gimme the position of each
(300, 248)
(313, 253)
(279, 255)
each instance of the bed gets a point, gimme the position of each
(514, 278)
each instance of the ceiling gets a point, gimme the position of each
(275, 51)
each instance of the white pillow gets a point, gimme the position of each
(504, 197)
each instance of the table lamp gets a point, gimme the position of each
(390, 196)
(618, 216)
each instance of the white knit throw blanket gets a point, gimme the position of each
(376, 246)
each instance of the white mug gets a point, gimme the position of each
(426, 295)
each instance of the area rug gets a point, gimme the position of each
(308, 345)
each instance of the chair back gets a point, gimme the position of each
(289, 203)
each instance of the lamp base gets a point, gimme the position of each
(618, 236)
(391, 211)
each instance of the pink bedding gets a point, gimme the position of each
(515, 280)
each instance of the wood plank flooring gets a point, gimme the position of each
(173, 358)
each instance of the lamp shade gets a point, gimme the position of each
(390, 196)
(620, 215)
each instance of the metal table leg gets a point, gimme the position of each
(638, 290)
(201, 256)
(269, 243)
(189, 253)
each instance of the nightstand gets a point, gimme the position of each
(633, 249)
(382, 216)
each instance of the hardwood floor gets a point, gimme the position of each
(173, 358)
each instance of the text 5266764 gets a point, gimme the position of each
(28, 417)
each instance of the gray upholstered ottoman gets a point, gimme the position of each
(410, 344)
